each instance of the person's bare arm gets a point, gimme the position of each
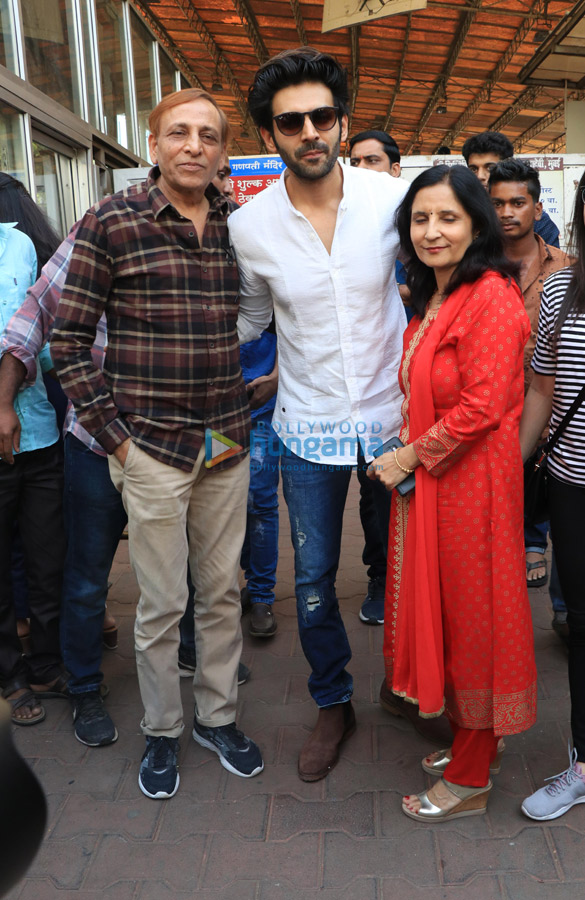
(263, 388)
(536, 412)
(386, 468)
(12, 375)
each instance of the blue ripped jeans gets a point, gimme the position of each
(315, 495)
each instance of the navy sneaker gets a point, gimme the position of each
(237, 753)
(93, 725)
(159, 777)
(243, 673)
(372, 611)
(188, 664)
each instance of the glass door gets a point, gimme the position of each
(61, 183)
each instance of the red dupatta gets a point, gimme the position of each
(418, 673)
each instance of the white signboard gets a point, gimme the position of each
(341, 13)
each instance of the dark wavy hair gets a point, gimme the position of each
(389, 145)
(488, 142)
(486, 252)
(574, 300)
(518, 171)
(17, 205)
(295, 67)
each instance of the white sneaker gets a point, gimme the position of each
(564, 791)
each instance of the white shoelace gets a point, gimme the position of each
(567, 778)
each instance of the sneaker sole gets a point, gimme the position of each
(209, 746)
(369, 620)
(99, 743)
(555, 815)
(160, 795)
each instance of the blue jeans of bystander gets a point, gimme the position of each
(94, 519)
(260, 551)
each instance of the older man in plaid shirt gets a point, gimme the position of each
(156, 260)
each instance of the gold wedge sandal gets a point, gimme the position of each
(472, 802)
(441, 759)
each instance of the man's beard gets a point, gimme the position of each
(306, 171)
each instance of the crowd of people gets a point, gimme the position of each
(425, 334)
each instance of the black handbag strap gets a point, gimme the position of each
(550, 444)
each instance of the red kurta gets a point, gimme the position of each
(458, 631)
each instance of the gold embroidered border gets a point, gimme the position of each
(437, 450)
(505, 713)
(415, 340)
(400, 523)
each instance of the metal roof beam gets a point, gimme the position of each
(484, 94)
(556, 146)
(298, 17)
(465, 22)
(354, 35)
(524, 101)
(553, 116)
(163, 36)
(516, 13)
(398, 82)
(222, 65)
(251, 25)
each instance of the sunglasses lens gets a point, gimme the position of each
(290, 123)
(324, 118)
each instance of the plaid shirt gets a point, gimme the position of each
(172, 367)
(29, 329)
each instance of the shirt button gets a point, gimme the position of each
(211, 383)
(204, 269)
(191, 234)
(212, 344)
(207, 307)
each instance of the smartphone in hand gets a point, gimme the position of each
(394, 443)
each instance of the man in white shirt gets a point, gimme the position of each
(320, 245)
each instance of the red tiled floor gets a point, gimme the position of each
(274, 837)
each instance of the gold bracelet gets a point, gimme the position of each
(408, 471)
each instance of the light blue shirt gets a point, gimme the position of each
(18, 271)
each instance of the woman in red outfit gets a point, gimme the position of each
(458, 633)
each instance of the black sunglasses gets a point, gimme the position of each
(323, 118)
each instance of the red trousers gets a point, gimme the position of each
(473, 751)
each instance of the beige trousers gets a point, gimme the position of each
(175, 517)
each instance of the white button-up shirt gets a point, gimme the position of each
(339, 316)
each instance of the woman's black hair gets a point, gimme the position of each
(295, 67)
(574, 299)
(486, 250)
(17, 205)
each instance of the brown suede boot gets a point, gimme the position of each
(321, 751)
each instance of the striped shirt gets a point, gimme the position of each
(29, 328)
(172, 366)
(566, 361)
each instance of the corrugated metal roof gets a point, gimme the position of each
(462, 56)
